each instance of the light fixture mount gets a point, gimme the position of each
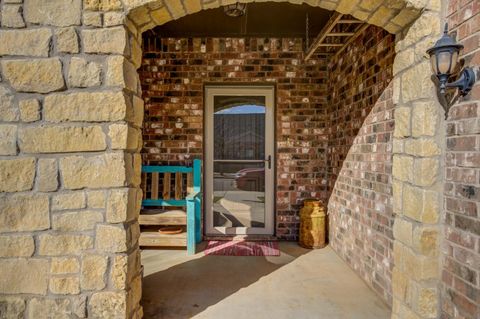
(444, 59)
(235, 10)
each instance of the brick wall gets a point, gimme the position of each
(359, 160)
(173, 74)
(461, 249)
(350, 136)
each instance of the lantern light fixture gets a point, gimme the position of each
(444, 58)
(235, 10)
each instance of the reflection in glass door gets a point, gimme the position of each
(239, 160)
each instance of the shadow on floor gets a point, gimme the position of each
(187, 288)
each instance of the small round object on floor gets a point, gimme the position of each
(171, 230)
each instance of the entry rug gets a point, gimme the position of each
(242, 248)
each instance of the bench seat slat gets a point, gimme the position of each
(162, 217)
(158, 239)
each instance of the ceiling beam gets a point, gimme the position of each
(323, 34)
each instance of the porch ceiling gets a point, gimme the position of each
(268, 19)
(328, 32)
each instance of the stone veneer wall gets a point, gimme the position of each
(41, 40)
(461, 248)
(70, 118)
(360, 136)
(418, 148)
(173, 77)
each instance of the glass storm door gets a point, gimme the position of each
(239, 160)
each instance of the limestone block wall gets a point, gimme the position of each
(359, 162)
(70, 118)
(173, 75)
(418, 144)
(461, 246)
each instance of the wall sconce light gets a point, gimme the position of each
(444, 60)
(235, 10)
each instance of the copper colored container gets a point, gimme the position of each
(313, 230)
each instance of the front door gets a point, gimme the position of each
(239, 160)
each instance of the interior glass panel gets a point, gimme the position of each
(239, 167)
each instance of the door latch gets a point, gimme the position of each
(269, 160)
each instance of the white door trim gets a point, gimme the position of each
(261, 90)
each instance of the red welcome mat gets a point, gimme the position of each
(242, 248)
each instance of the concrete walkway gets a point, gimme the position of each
(299, 284)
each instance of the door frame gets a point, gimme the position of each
(261, 89)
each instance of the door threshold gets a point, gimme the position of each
(242, 237)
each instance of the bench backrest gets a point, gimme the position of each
(165, 185)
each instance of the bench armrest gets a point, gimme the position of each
(193, 196)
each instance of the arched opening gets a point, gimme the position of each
(384, 188)
(361, 118)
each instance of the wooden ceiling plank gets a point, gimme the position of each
(323, 34)
(331, 45)
(350, 21)
(340, 34)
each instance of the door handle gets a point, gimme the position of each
(269, 160)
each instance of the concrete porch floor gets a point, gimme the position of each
(299, 284)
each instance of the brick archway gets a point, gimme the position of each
(91, 123)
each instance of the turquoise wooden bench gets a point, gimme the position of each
(189, 199)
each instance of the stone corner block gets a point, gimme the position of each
(123, 205)
(108, 304)
(111, 238)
